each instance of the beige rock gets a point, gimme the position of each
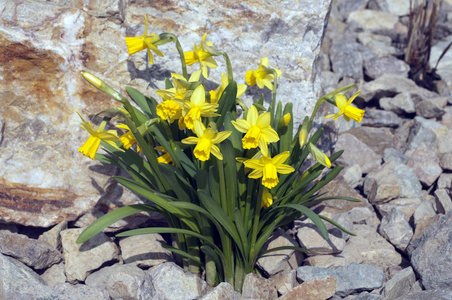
(82, 259)
(373, 19)
(443, 198)
(406, 205)
(144, 250)
(311, 239)
(317, 289)
(52, 237)
(54, 274)
(284, 281)
(256, 287)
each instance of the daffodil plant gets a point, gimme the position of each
(225, 175)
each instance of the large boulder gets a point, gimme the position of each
(45, 45)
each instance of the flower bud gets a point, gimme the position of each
(319, 156)
(303, 136)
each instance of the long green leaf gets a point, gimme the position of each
(284, 248)
(337, 225)
(311, 215)
(110, 218)
(226, 102)
(182, 253)
(208, 251)
(139, 99)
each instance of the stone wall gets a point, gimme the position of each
(45, 44)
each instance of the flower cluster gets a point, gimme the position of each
(214, 167)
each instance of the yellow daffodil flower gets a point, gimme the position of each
(199, 54)
(205, 141)
(257, 129)
(169, 109)
(262, 76)
(319, 156)
(128, 139)
(136, 44)
(165, 158)
(216, 95)
(179, 91)
(268, 168)
(345, 109)
(197, 107)
(90, 147)
(267, 199)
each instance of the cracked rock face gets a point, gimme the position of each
(43, 178)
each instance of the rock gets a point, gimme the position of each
(400, 284)
(43, 58)
(443, 198)
(443, 142)
(439, 294)
(316, 289)
(54, 274)
(379, 45)
(445, 181)
(222, 291)
(428, 109)
(52, 237)
(406, 205)
(20, 281)
(381, 118)
(379, 66)
(399, 104)
(395, 228)
(33, 253)
(256, 287)
(377, 139)
(277, 261)
(284, 281)
(169, 281)
(339, 53)
(144, 250)
(121, 281)
(424, 210)
(356, 152)
(367, 296)
(344, 8)
(312, 240)
(432, 259)
(350, 279)
(425, 164)
(396, 7)
(392, 180)
(353, 175)
(361, 215)
(391, 154)
(420, 228)
(373, 20)
(390, 85)
(423, 131)
(82, 259)
(443, 68)
(446, 161)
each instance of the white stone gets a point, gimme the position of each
(373, 19)
(144, 250)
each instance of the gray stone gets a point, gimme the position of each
(353, 175)
(399, 104)
(432, 259)
(378, 66)
(256, 287)
(340, 53)
(312, 290)
(52, 237)
(390, 85)
(64, 37)
(418, 233)
(222, 291)
(351, 278)
(373, 20)
(377, 139)
(169, 281)
(121, 281)
(277, 261)
(392, 180)
(367, 296)
(379, 45)
(31, 252)
(380, 118)
(443, 198)
(424, 210)
(54, 274)
(443, 142)
(396, 7)
(402, 133)
(443, 69)
(446, 161)
(425, 164)
(396, 229)
(284, 281)
(345, 7)
(391, 154)
(144, 250)
(356, 152)
(428, 109)
(20, 282)
(423, 131)
(82, 259)
(445, 181)
(400, 284)
(406, 205)
(439, 294)
(312, 240)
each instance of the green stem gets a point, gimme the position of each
(181, 54)
(257, 212)
(229, 66)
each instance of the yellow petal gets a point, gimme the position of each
(256, 174)
(280, 158)
(199, 128)
(250, 78)
(216, 152)
(191, 140)
(221, 136)
(252, 115)
(263, 120)
(241, 125)
(341, 101)
(199, 96)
